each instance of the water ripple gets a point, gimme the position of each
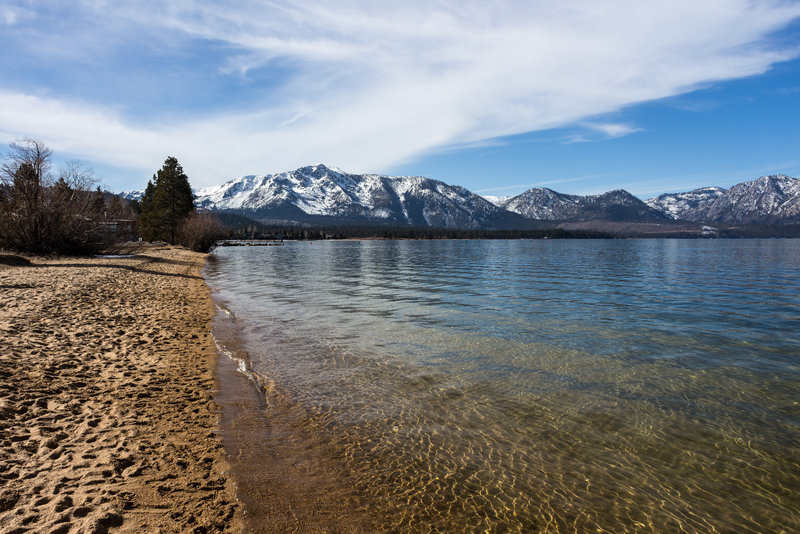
(518, 386)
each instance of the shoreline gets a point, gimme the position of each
(108, 397)
(286, 478)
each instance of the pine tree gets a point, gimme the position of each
(167, 201)
(147, 217)
(99, 204)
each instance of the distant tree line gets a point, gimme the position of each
(760, 231)
(240, 227)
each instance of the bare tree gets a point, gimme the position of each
(25, 174)
(29, 152)
(41, 214)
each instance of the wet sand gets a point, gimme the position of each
(108, 420)
(288, 477)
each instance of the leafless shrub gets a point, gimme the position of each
(201, 230)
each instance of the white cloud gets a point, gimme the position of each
(613, 130)
(371, 85)
(607, 130)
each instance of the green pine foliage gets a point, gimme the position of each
(166, 203)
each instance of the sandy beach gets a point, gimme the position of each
(107, 414)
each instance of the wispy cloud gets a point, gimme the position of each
(612, 130)
(366, 85)
(11, 14)
(784, 91)
(598, 131)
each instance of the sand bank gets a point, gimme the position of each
(107, 411)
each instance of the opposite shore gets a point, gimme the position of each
(108, 419)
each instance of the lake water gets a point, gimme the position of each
(526, 386)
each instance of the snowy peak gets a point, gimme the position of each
(317, 193)
(542, 203)
(320, 191)
(497, 201)
(132, 194)
(768, 199)
(686, 205)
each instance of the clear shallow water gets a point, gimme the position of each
(613, 386)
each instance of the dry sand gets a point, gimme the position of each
(107, 412)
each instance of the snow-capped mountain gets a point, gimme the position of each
(132, 194)
(765, 200)
(319, 194)
(688, 206)
(541, 203)
(768, 199)
(544, 204)
(315, 192)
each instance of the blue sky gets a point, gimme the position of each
(579, 96)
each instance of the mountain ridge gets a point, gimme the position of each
(541, 203)
(317, 194)
(768, 199)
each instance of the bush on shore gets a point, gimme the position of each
(200, 230)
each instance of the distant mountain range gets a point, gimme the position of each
(767, 200)
(322, 195)
(545, 204)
